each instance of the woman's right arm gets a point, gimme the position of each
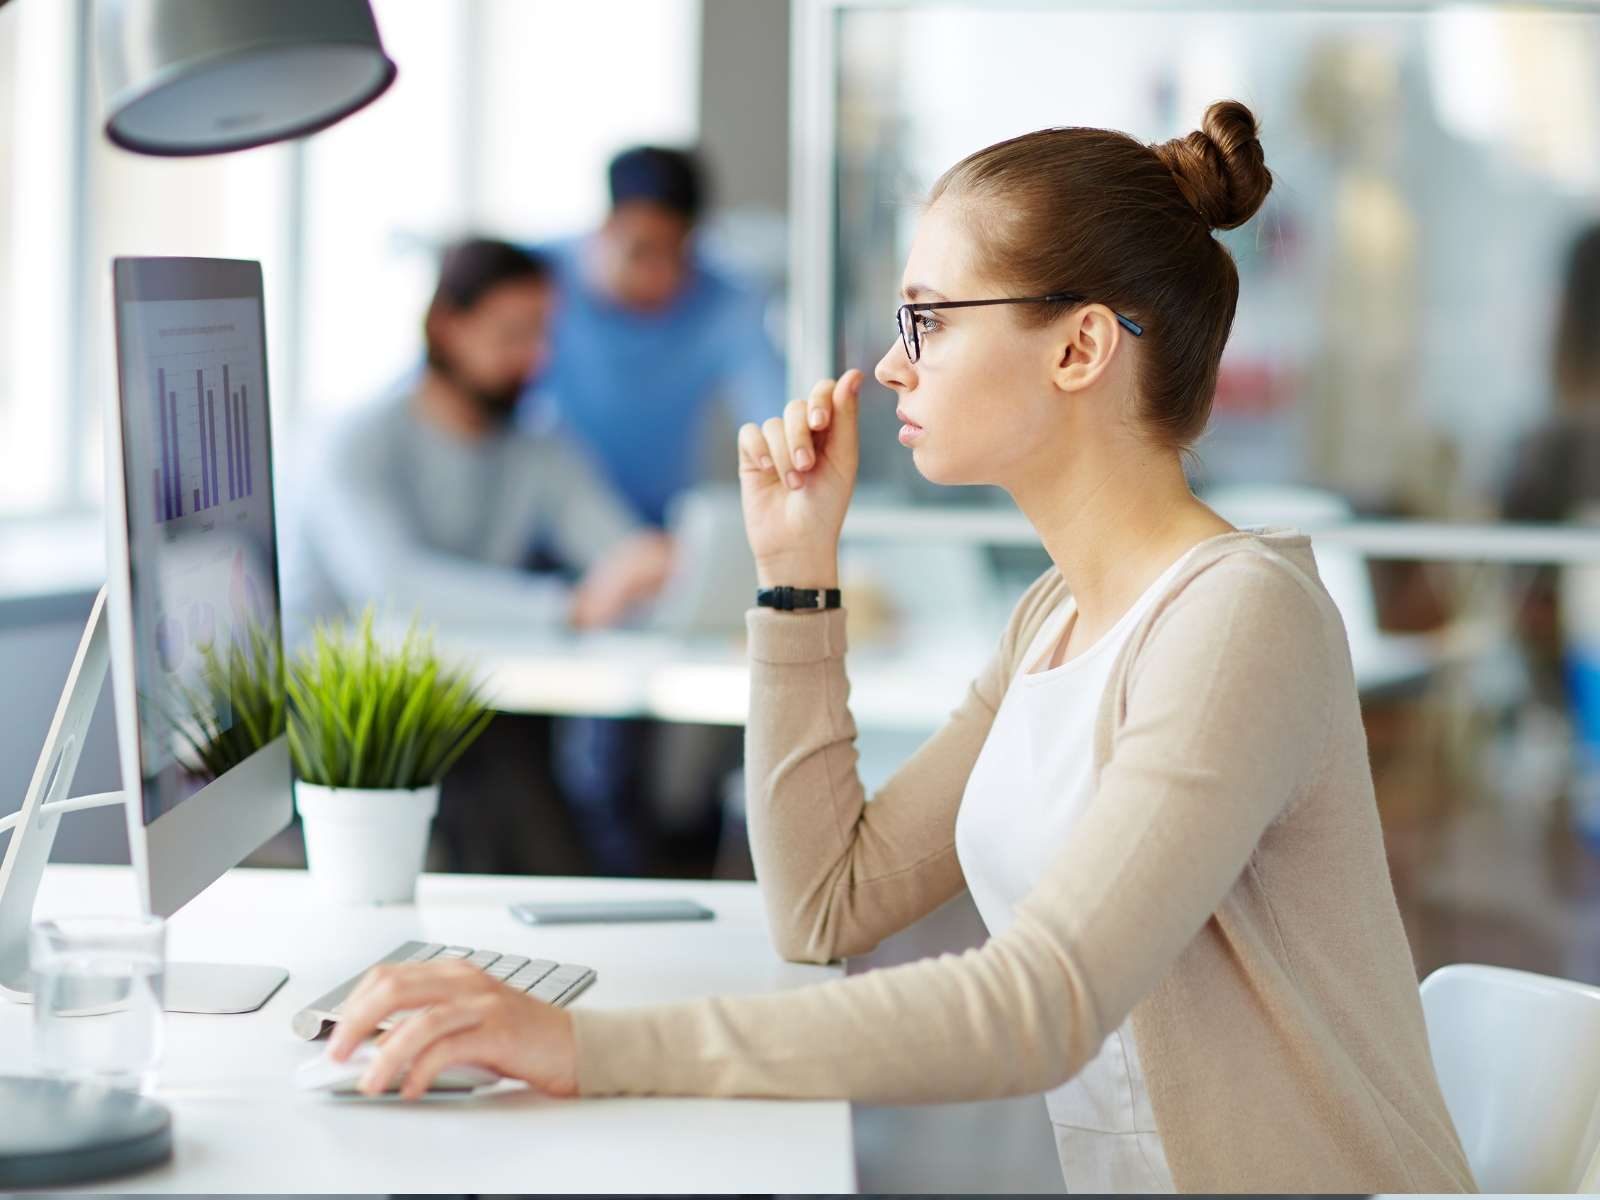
(838, 873)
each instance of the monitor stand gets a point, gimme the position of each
(189, 987)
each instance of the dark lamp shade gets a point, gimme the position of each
(183, 77)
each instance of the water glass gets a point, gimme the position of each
(97, 998)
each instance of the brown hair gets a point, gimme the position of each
(472, 268)
(1098, 213)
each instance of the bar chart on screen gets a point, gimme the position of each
(206, 446)
(204, 388)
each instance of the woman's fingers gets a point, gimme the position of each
(844, 393)
(788, 446)
(798, 434)
(753, 454)
(413, 1036)
(819, 406)
(778, 451)
(451, 1050)
(844, 438)
(386, 990)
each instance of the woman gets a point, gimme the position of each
(1157, 791)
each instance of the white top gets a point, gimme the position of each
(1025, 793)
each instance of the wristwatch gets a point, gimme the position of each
(793, 599)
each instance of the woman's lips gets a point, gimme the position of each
(910, 431)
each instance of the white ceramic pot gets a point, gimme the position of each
(366, 846)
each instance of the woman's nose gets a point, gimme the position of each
(894, 368)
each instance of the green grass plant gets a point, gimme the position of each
(367, 715)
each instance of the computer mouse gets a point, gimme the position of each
(323, 1074)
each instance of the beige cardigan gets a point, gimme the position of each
(1227, 886)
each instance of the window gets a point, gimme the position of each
(382, 189)
(38, 136)
(501, 121)
(1398, 291)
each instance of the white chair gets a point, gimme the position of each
(1518, 1059)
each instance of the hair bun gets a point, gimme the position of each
(1220, 168)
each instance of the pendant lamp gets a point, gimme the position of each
(185, 77)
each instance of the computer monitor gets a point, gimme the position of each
(192, 562)
(188, 624)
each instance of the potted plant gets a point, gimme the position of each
(372, 730)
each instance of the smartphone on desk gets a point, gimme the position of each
(599, 912)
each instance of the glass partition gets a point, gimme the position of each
(1401, 291)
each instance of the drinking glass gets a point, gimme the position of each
(97, 998)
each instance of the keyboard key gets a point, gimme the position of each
(482, 959)
(531, 974)
(455, 952)
(424, 951)
(552, 986)
(506, 966)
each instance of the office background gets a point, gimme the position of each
(1393, 355)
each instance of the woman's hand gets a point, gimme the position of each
(465, 1018)
(796, 475)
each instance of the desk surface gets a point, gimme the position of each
(241, 1125)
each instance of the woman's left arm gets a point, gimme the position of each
(1226, 716)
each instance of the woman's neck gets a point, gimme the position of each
(1111, 530)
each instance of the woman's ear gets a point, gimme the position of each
(1088, 339)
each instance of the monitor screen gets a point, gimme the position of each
(202, 553)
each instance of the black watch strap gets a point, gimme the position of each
(793, 599)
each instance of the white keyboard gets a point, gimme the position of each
(552, 982)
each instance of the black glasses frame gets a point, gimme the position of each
(906, 315)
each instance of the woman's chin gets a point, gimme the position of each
(935, 469)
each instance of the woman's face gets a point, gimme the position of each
(979, 403)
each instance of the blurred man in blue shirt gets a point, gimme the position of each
(649, 336)
(647, 339)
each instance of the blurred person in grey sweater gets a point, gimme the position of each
(432, 501)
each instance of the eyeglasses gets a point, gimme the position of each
(906, 318)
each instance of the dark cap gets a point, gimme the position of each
(671, 178)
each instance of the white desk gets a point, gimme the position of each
(240, 1125)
